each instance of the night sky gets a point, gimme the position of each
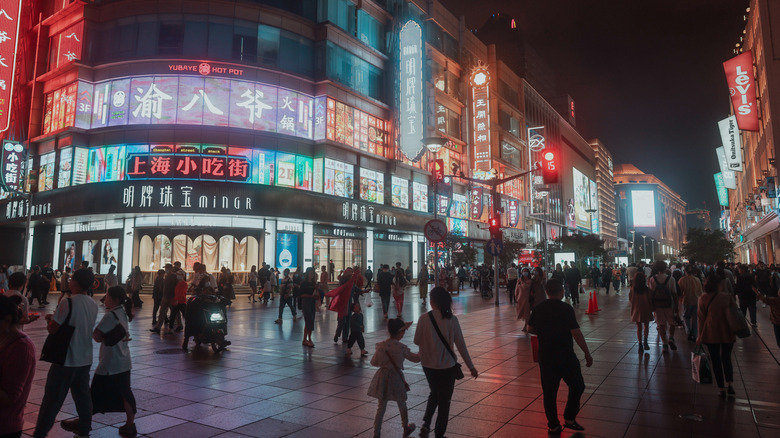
(646, 77)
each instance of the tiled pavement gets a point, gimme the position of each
(268, 385)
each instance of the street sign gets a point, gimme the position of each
(435, 230)
(495, 247)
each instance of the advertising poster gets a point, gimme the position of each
(286, 251)
(729, 177)
(476, 203)
(90, 252)
(146, 101)
(84, 105)
(303, 173)
(771, 187)
(459, 207)
(581, 200)
(419, 196)
(118, 102)
(108, 254)
(742, 88)
(80, 165)
(265, 162)
(723, 195)
(372, 186)
(458, 227)
(643, 208)
(571, 220)
(514, 213)
(66, 166)
(400, 189)
(285, 170)
(46, 172)
(594, 205)
(69, 258)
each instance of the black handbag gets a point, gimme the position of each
(116, 334)
(55, 348)
(457, 370)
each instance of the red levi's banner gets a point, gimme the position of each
(742, 87)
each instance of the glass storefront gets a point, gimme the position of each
(343, 252)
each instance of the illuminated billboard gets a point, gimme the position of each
(643, 208)
(9, 37)
(411, 117)
(581, 200)
(480, 101)
(742, 88)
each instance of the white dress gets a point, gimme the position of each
(388, 384)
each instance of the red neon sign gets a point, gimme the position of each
(9, 38)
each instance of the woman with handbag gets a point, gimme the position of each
(399, 287)
(436, 333)
(714, 329)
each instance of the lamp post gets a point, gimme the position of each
(644, 243)
(546, 191)
(434, 145)
(633, 245)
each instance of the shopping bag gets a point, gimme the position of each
(535, 347)
(369, 301)
(700, 367)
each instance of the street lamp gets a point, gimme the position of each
(644, 243)
(434, 145)
(633, 245)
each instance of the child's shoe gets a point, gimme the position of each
(363, 353)
(409, 429)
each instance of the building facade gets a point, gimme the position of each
(651, 213)
(606, 197)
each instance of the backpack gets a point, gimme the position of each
(661, 296)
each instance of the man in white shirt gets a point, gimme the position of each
(73, 375)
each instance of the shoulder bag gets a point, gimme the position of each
(116, 334)
(457, 370)
(55, 348)
(400, 374)
(736, 320)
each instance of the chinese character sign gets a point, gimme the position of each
(742, 88)
(9, 36)
(12, 165)
(476, 203)
(481, 119)
(411, 91)
(514, 213)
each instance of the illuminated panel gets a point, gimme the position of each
(742, 88)
(400, 191)
(480, 80)
(594, 205)
(60, 108)
(372, 186)
(9, 26)
(419, 196)
(69, 44)
(13, 163)
(65, 168)
(411, 129)
(581, 199)
(643, 208)
(84, 97)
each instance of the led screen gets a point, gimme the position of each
(643, 208)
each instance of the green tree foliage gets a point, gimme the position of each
(707, 246)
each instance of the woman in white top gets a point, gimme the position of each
(438, 360)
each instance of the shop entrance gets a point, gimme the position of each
(343, 252)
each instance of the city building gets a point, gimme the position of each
(233, 133)
(650, 212)
(750, 215)
(606, 199)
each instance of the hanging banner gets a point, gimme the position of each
(12, 165)
(732, 143)
(9, 37)
(480, 99)
(476, 203)
(723, 194)
(742, 87)
(411, 122)
(729, 177)
(771, 188)
(514, 213)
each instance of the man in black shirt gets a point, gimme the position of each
(384, 280)
(573, 280)
(553, 321)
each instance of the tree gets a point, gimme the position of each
(461, 251)
(583, 246)
(707, 246)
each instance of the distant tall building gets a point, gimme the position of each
(606, 196)
(648, 207)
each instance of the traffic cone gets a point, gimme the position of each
(590, 304)
(595, 302)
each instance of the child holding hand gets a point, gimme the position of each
(389, 382)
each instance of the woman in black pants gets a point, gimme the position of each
(714, 329)
(438, 359)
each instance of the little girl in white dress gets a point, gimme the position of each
(389, 382)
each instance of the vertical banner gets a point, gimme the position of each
(13, 164)
(742, 88)
(536, 144)
(476, 203)
(9, 37)
(732, 143)
(729, 177)
(480, 101)
(410, 101)
(723, 194)
(514, 213)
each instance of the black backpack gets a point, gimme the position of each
(662, 296)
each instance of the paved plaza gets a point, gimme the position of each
(268, 385)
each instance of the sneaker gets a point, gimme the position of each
(278, 321)
(408, 429)
(672, 345)
(128, 430)
(573, 425)
(646, 345)
(554, 430)
(365, 353)
(335, 339)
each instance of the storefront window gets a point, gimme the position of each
(344, 252)
(226, 252)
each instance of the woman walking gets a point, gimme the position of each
(537, 287)
(436, 334)
(309, 297)
(422, 283)
(641, 309)
(252, 278)
(136, 281)
(399, 286)
(714, 329)
(523, 297)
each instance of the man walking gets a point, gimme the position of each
(73, 375)
(553, 321)
(384, 280)
(573, 280)
(511, 282)
(169, 291)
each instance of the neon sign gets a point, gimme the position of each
(411, 91)
(13, 163)
(742, 88)
(205, 69)
(480, 80)
(9, 39)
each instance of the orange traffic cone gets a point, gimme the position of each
(596, 302)
(590, 311)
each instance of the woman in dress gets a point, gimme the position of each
(252, 278)
(422, 283)
(136, 281)
(523, 297)
(641, 309)
(438, 361)
(309, 296)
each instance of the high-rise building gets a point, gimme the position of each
(606, 196)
